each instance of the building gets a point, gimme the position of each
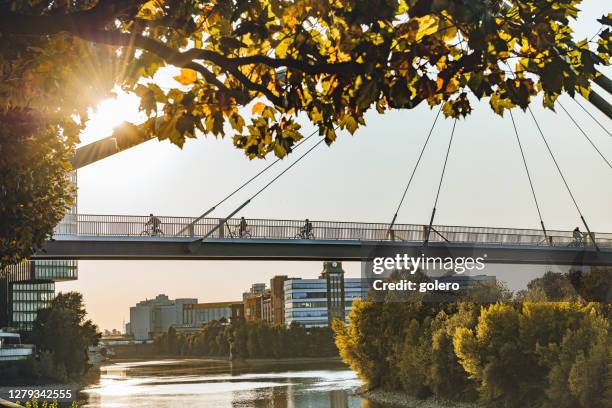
(196, 315)
(277, 299)
(29, 286)
(256, 289)
(149, 318)
(266, 304)
(254, 306)
(267, 312)
(315, 302)
(253, 301)
(334, 281)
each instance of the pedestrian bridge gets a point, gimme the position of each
(112, 237)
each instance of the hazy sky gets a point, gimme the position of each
(358, 178)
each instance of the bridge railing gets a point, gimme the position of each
(131, 226)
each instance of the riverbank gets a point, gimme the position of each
(402, 400)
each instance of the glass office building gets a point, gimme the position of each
(29, 287)
(315, 302)
(60, 270)
(26, 299)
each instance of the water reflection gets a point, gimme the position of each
(211, 383)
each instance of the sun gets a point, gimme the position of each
(110, 113)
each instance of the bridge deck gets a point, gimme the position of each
(182, 248)
(127, 237)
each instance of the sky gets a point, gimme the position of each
(357, 178)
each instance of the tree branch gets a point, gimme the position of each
(313, 69)
(255, 86)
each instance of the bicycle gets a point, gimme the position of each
(152, 232)
(304, 235)
(235, 233)
(579, 240)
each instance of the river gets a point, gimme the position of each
(212, 383)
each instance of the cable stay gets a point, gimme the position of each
(585, 135)
(593, 117)
(390, 232)
(243, 185)
(433, 212)
(552, 155)
(261, 190)
(569, 190)
(535, 198)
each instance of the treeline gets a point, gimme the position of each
(249, 340)
(518, 353)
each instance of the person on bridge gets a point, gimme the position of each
(578, 237)
(154, 225)
(242, 227)
(307, 230)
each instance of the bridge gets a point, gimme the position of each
(123, 237)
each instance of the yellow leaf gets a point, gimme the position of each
(187, 77)
(258, 108)
(427, 25)
(351, 124)
(282, 48)
(279, 150)
(447, 32)
(315, 115)
(585, 92)
(150, 9)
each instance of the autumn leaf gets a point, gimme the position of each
(279, 150)
(447, 31)
(282, 48)
(187, 77)
(258, 108)
(427, 25)
(150, 9)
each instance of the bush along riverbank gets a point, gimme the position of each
(251, 340)
(400, 399)
(513, 353)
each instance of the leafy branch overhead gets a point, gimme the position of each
(330, 59)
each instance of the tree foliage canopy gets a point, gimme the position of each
(63, 330)
(34, 190)
(506, 354)
(330, 59)
(555, 351)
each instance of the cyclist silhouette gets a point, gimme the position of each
(153, 226)
(578, 237)
(242, 227)
(306, 230)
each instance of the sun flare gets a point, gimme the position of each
(110, 113)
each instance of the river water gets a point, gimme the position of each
(211, 383)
